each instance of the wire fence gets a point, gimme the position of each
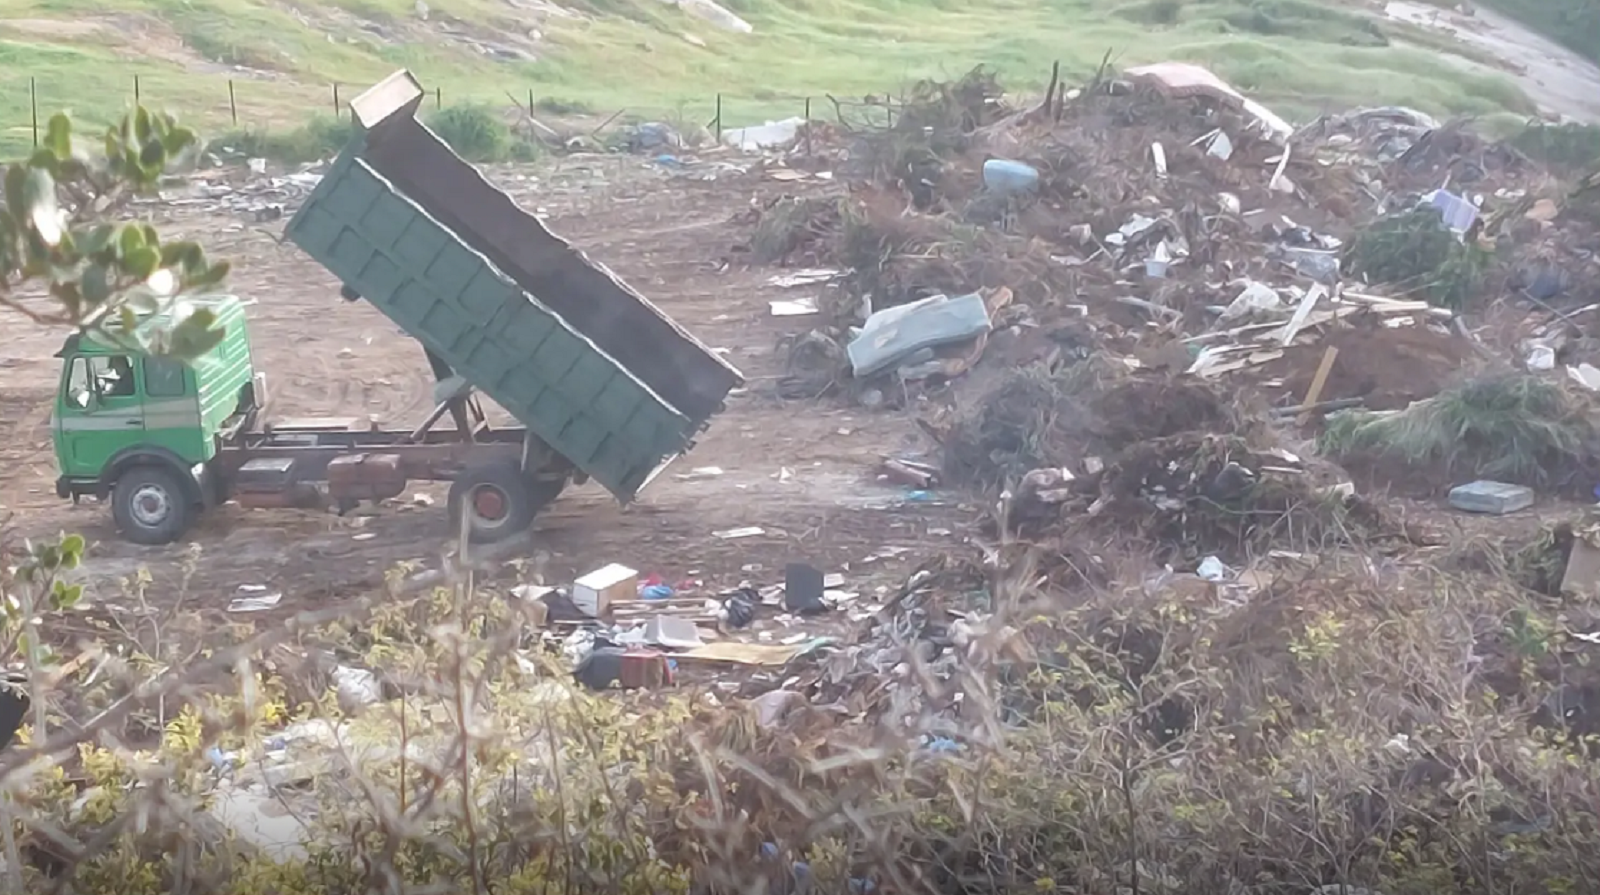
(869, 110)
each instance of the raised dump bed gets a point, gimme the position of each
(590, 298)
(406, 224)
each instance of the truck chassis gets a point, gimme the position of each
(500, 478)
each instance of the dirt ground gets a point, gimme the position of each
(805, 474)
(1386, 368)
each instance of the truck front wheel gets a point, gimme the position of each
(151, 506)
(495, 501)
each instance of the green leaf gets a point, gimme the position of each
(151, 237)
(97, 240)
(178, 139)
(185, 255)
(71, 297)
(74, 545)
(153, 156)
(142, 262)
(211, 276)
(45, 159)
(141, 125)
(16, 201)
(66, 596)
(58, 136)
(131, 240)
(39, 198)
(194, 337)
(96, 284)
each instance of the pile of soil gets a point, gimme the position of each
(1387, 368)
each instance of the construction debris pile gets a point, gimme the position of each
(1161, 216)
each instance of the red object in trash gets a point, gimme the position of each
(644, 669)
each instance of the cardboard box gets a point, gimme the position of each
(594, 593)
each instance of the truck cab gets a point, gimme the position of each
(142, 431)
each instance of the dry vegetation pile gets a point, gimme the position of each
(1016, 726)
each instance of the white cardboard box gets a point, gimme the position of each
(594, 593)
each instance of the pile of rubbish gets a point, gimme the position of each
(1159, 211)
(250, 194)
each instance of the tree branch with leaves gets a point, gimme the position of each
(59, 234)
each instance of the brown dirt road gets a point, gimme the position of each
(803, 473)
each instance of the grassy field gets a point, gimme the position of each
(653, 59)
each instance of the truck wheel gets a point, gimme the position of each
(150, 506)
(495, 500)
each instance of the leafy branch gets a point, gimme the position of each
(115, 279)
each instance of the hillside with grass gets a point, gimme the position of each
(272, 64)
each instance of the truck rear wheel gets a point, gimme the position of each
(496, 501)
(151, 506)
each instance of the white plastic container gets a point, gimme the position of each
(1006, 177)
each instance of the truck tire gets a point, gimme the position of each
(496, 499)
(151, 505)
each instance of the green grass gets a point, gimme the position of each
(1299, 56)
(1512, 427)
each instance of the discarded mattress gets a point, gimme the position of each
(893, 334)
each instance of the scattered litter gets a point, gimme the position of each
(1007, 177)
(1458, 214)
(771, 708)
(357, 688)
(1212, 569)
(909, 472)
(793, 307)
(764, 136)
(1541, 357)
(1496, 498)
(655, 591)
(594, 593)
(808, 277)
(739, 610)
(1257, 298)
(742, 653)
(734, 534)
(1220, 147)
(672, 632)
(803, 586)
(1585, 375)
(698, 473)
(254, 599)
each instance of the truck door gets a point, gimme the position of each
(100, 412)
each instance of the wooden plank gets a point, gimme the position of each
(1318, 381)
(1303, 310)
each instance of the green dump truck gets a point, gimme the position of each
(605, 386)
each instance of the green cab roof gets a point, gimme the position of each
(229, 309)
